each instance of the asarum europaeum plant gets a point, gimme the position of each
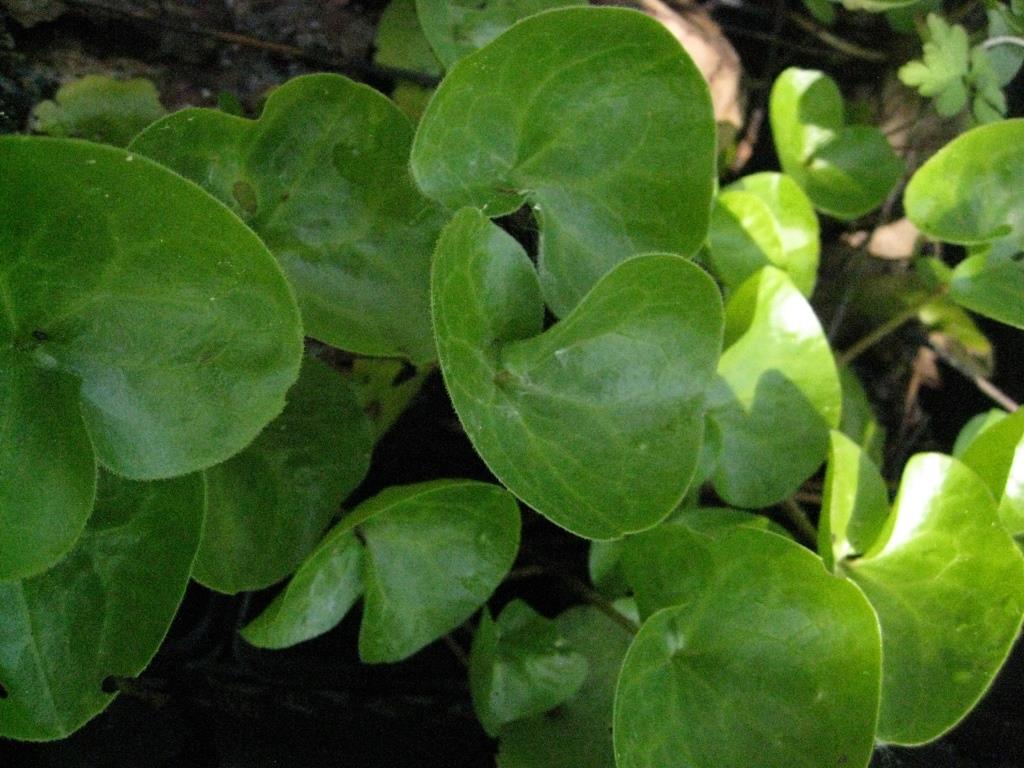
(160, 421)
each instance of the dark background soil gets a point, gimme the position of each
(209, 699)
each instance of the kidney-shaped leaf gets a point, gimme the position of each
(997, 455)
(102, 611)
(947, 583)
(268, 506)
(322, 178)
(520, 666)
(434, 553)
(430, 555)
(777, 394)
(171, 314)
(599, 119)
(969, 192)
(846, 170)
(764, 659)
(597, 422)
(456, 29)
(47, 467)
(579, 732)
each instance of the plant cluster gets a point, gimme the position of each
(164, 421)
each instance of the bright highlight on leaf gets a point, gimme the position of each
(595, 117)
(776, 396)
(947, 583)
(268, 506)
(759, 657)
(997, 455)
(101, 612)
(597, 422)
(322, 178)
(846, 170)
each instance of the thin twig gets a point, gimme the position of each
(457, 650)
(840, 44)
(984, 385)
(800, 521)
(598, 600)
(895, 322)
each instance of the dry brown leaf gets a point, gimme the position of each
(894, 241)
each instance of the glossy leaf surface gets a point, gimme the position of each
(969, 192)
(596, 117)
(269, 505)
(855, 504)
(947, 583)
(579, 732)
(102, 611)
(777, 394)
(456, 29)
(764, 219)
(757, 634)
(846, 170)
(434, 553)
(521, 666)
(322, 178)
(997, 455)
(47, 467)
(172, 314)
(597, 422)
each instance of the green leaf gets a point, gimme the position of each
(758, 634)
(579, 732)
(947, 584)
(597, 422)
(969, 193)
(457, 28)
(268, 506)
(99, 108)
(47, 467)
(782, 209)
(974, 427)
(942, 71)
(400, 41)
(776, 397)
(317, 597)
(1005, 60)
(846, 170)
(172, 315)
(322, 178)
(434, 553)
(426, 556)
(383, 389)
(855, 504)
(521, 666)
(997, 456)
(102, 611)
(596, 117)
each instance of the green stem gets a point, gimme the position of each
(860, 346)
(840, 44)
(992, 42)
(801, 521)
(598, 600)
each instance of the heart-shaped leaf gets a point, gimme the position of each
(141, 325)
(597, 422)
(521, 666)
(579, 732)
(268, 506)
(846, 170)
(947, 583)
(997, 455)
(322, 177)
(456, 28)
(764, 659)
(764, 219)
(431, 554)
(858, 420)
(777, 394)
(400, 41)
(102, 611)
(855, 504)
(597, 117)
(47, 467)
(969, 192)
